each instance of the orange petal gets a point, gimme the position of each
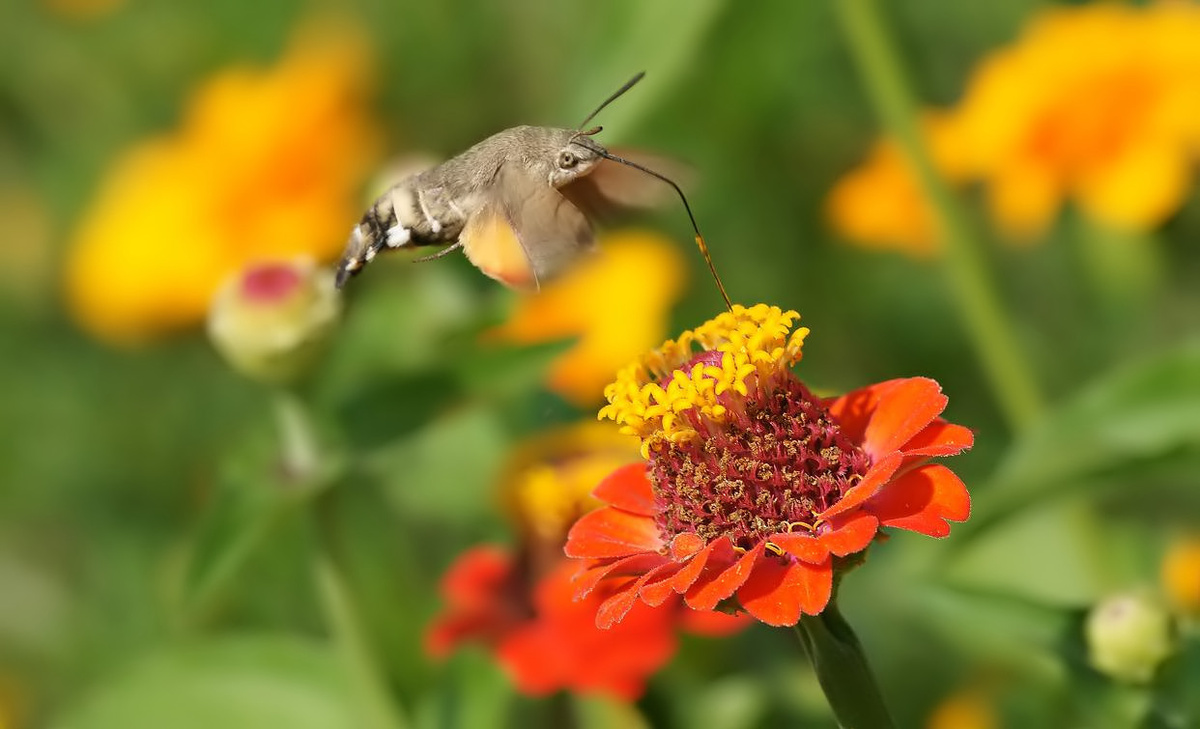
(850, 535)
(685, 545)
(923, 500)
(611, 532)
(803, 547)
(852, 411)
(714, 585)
(628, 488)
(660, 586)
(875, 479)
(612, 610)
(719, 551)
(588, 579)
(940, 438)
(780, 590)
(475, 576)
(905, 408)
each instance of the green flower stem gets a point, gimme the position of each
(301, 458)
(350, 638)
(990, 332)
(842, 670)
(299, 453)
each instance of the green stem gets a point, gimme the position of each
(350, 638)
(989, 330)
(299, 453)
(842, 670)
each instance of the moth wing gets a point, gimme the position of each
(611, 185)
(491, 244)
(528, 235)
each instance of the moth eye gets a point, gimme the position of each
(567, 160)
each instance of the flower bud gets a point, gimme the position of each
(272, 320)
(1128, 636)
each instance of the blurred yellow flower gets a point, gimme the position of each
(266, 164)
(1181, 575)
(617, 304)
(880, 205)
(970, 709)
(1098, 104)
(549, 479)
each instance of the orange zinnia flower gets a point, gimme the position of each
(520, 603)
(754, 486)
(266, 164)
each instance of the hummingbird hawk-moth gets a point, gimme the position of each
(517, 204)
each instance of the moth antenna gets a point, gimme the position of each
(696, 228)
(628, 85)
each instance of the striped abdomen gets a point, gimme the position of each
(411, 213)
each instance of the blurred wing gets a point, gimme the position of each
(528, 235)
(492, 246)
(612, 185)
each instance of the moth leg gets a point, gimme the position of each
(430, 220)
(444, 252)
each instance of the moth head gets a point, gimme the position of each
(576, 158)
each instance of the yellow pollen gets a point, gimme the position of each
(651, 395)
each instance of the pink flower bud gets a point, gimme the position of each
(271, 321)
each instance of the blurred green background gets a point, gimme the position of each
(119, 465)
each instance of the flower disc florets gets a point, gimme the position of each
(737, 446)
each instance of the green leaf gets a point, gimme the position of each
(600, 712)
(446, 471)
(1141, 414)
(1035, 554)
(472, 692)
(662, 38)
(507, 371)
(245, 682)
(246, 504)
(271, 475)
(995, 627)
(382, 411)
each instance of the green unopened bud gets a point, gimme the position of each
(272, 320)
(1128, 637)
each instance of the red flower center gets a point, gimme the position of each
(777, 462)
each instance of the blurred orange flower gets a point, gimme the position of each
(617, 304)
(970, 709)
(1180, 574)
(880, 205)
(1098, 104)
(520, 603)
(546, 640)
(266, 164)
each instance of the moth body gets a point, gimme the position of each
(508, 180)
(517, 204)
